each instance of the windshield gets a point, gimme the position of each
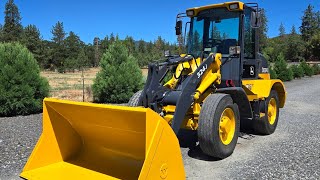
(213, 31)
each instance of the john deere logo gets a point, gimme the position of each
(164, 171)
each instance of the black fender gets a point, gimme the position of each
(239, 97)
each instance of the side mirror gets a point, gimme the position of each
(255, 19)
(178, 28)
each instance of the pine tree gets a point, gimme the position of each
(262, 31)
(82, 60)
(97, 51)
(12, 28)
(314, 46)
(58, 33)
(142, 46)
(1, 31)
(181, 43)
(59, 53)
(197, 45)
(119, 77)
(89, 50)
(149, 46)
(159, 44)
(46, 55)
(295, 46)
(32, 40)
(282, 30)
(130, 45)
(105, 43)
(112, 38)
(73, 45)
(22, 89)
(309, 24)
(215, 33)
(318, 19)
(293, 30)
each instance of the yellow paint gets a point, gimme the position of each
(190, 121)
(169, 109)
(93, 141)
(221, 5)
(185, 68)
(272, 111)
(212, 75)
(261, 88)
(168, 118)
(227, 126)
(196, 109)
(264, 76)
(252, 97)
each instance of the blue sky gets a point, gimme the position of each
(142, 19)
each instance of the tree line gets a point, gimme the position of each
(294, 46)
(66, 51)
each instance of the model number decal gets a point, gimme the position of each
(202, 70)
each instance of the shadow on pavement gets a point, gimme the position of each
(197, 153)
(189, 139)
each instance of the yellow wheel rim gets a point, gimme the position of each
(272, 111)
(227, 126)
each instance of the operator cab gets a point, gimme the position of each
(230, 29)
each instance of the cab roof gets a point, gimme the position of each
(212, 6)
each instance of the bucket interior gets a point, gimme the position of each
(109, 141)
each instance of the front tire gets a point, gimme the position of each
(219, 124)
(135, 100)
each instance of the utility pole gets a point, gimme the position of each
(96, 43)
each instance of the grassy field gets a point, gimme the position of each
(69, 85)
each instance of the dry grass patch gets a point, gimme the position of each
(69, 85)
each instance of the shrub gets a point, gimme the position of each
(316, 69)
(22, 89)
(281, 68)
(297, 71)
(308, 70)
(119, 77)
(273, 74)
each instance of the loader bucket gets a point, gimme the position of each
(94, 141)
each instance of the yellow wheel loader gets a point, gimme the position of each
(221, 85)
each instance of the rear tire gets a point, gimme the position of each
(135, 100)
(268, 124)
(216, 139)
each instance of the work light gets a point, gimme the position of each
(190, 13)
(234, 6)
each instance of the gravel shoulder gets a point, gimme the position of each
(18, 136)
(292, 152)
